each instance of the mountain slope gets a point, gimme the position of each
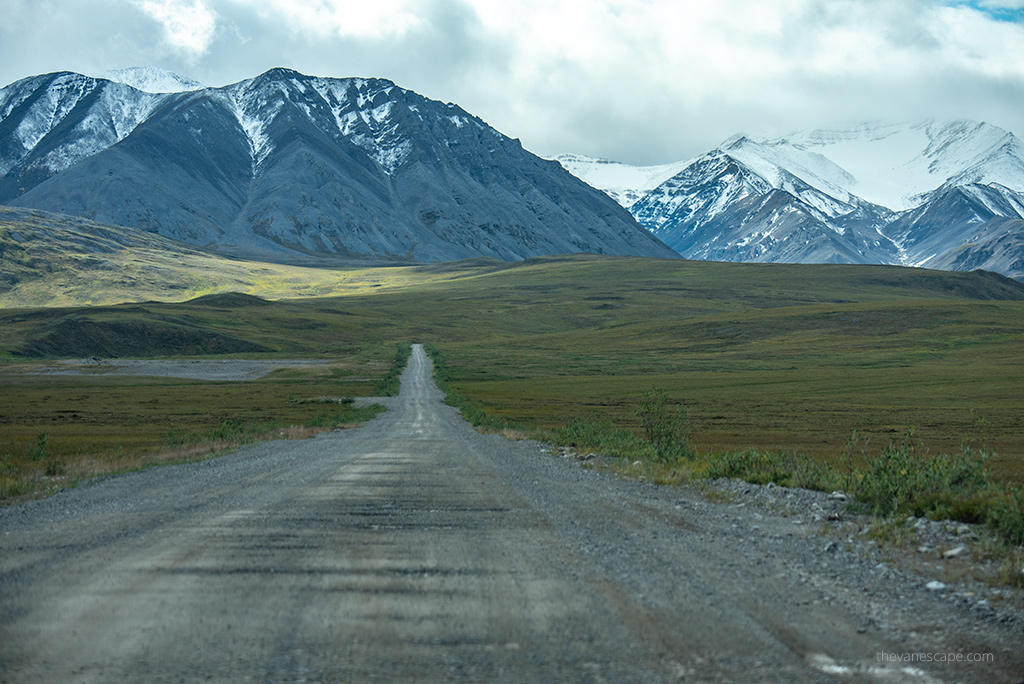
(286, 166)
(899, 165)
(719, 208)
(56, 260)
(50, 123)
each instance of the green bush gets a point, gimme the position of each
(1006, 516)
(666, 430)
(902, 480)
(37, 451)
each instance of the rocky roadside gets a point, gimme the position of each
(960, 563)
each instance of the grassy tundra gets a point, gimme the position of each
(790, 357)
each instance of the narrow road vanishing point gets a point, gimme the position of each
(416, 549)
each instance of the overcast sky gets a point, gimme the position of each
(639, 81)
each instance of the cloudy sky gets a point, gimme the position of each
(640, 81)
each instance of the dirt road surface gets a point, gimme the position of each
(416, 549)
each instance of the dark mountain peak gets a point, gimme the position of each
(281, 74)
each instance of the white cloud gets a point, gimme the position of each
(600, 74)
(980, 46)
(644, 81)
(340, 18)
(189, 26)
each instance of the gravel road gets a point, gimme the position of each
(416, 549)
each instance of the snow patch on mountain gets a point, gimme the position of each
(897, 165)
(152, 80)
(797, 171)
(253, 118)
(624, 183)
(369, 125)
(66, 91)
(105, 113)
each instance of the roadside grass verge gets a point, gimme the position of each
(56, 430)
(898, 481)
(471, 412)
(390, 384)
(38, 471)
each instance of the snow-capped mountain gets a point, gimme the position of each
(908, 194)
(287, 166)
(152, 80)
(88, 115)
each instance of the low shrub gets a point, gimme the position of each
(779, 467)
(1006, 515)
(603, 437)
(901, 479)
(37, 451)
(667, 430)
(898, 481)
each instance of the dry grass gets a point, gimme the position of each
(508, 433)
(50, 476)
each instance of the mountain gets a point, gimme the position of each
(735, 204)
(50, 123)
(289, 167)
(914, 194)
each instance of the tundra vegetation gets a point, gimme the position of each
(692, 369)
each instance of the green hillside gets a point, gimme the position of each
(55, 260)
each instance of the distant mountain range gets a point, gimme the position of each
(287, 167)
(947, 195)
(292, 168)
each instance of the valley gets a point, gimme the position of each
(796, 357)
